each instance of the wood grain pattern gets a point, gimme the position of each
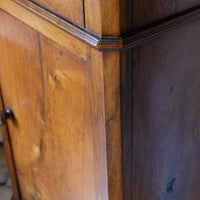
(48, 29)
(64, 155)
(66, 33)
(102, 125)
(146, 12)
(70, 9)
(9, 155)
(20, 77)
(165, 117)
(126, 63)
(113, 123)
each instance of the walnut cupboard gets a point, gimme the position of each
(100, 100)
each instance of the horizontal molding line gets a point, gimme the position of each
(133, 39)
(112, 43)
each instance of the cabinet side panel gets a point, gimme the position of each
(166, 116)
(102, 17)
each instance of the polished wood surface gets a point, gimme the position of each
(70, 9)
(105, 108)
(9, 154)
(54, 137)
(48, 29)
(102, 17)
(161, 151)
(126, 63)
(113, 123)
(65, 33)
(145, 12)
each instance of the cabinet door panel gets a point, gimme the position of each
(57, 138)
(21, 84)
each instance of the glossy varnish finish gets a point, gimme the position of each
(102, 111)
(58, 143)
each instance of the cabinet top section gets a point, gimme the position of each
(106, 24)
(113, 17)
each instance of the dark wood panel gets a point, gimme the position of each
(126, 96)
(139, 13)
(111, 61)
(165, 156)
(102, 17)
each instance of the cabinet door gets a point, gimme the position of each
(57, 138)
(146, 12)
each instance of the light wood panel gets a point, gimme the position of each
(70, 9)
(21, 85)
(111, 65)
(102, 17)
(58, 138)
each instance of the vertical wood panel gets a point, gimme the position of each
(58, 137)
(102, 17)
(166, 116)
(100, 130)
(113, 123)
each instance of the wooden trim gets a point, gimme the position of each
(126, 41)
(111, 68)
(155, 30)
(62, 23)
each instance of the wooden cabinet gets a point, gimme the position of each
(105, 97)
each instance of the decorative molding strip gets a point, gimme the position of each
(112, 43)
(136, 38)
(59, 22)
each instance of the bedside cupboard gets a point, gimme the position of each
(100, 100)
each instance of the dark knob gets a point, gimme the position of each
(6, 114)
